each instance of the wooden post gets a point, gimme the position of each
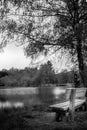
(86, 100)
(72, 103)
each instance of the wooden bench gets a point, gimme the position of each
(62, 109)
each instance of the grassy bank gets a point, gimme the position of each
(38, 119)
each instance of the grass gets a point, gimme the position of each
(2, 98)
(12, 119)
(38, 119)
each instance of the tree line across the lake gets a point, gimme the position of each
(30, 77)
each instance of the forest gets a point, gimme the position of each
(34, 77)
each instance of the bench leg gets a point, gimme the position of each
(67, 116)
(83, 107)
(78, 109)
(59, 117)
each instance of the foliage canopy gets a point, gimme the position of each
(46, 24)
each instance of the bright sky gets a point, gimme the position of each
(13, 57)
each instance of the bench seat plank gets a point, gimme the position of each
(65, 105)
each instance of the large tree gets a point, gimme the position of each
(47, 25)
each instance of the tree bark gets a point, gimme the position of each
(81, 66)
(80, 62)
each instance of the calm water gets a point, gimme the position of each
(32, 96)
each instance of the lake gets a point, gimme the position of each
(33, 95)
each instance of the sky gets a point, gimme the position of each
(13, 56)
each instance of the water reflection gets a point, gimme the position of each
(8, 104)
(17, 97)
(52, 95)
(57, 92)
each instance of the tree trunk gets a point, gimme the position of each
(81, 66)
(81, 63)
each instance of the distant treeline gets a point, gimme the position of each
(34, 77)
